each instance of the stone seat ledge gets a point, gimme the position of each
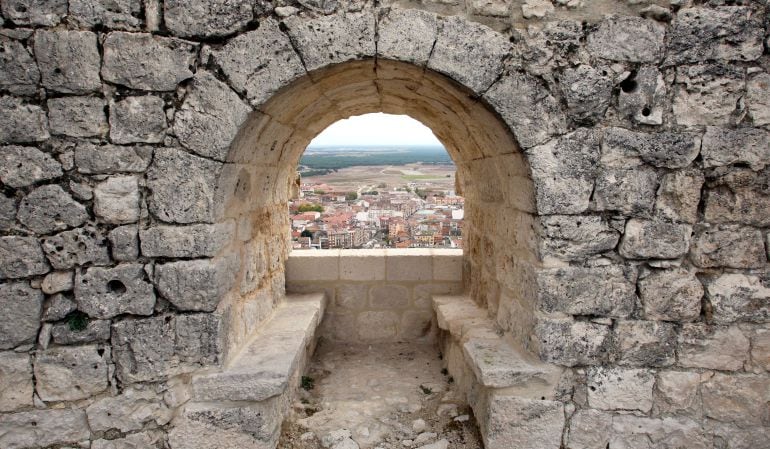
(267, 363)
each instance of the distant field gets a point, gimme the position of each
(438, 176)
(334, 158)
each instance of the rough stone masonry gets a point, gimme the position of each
(615, 155)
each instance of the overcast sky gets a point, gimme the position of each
(376, 129)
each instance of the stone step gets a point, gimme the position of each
(266, 364)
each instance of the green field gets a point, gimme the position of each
(331, 158)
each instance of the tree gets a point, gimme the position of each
(310, 207)
(351, 196)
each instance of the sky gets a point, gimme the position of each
(376, 129)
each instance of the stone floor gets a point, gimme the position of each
(383, 396)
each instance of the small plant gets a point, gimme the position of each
(77, 321)
(425, 389)
(308, 383)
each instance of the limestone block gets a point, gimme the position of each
(666, 433)
(132, 410)
(736, 398)
(523, 423)
(739, 437)
(93, 159)
(34, 12)
(114, 15)
(69, 373)
(58, 306)
(587, 92)
(563, 171)
(589, 429)
(671, 295)
(664, 149)
(712, 347)
(758, 99)
(722, 33)
(645, 343)
(107, 292)
(739, 297)
(355, 296)
(198, 240)
(254, 266)
(116, 200)
(408, 265)
(95, 331)
(69, 61)
(77, 116)
(723, 146)
(20, 320)
(22, 122)
(313, 266)
(630, 191)
(570, 343)
(447, 265)
(147, 62)
(7, 213)
(197, 285)
(362, 265)
(260, 62)
(676, 391)
(21, 257)
(406, 35)
(760, 348)
(535, 116)
(415, 325)
(132, 441)
(654, 239)
(18, 71)
(377, 325)
(138, 120)
(731, 246)
(79, 246)
(620, 389)
(644, 99)
(57, 281)
(206, 18)
(631, 39)
(23, 166)
(125, 242)
(571, 237)
(49, 208)
(679, 195)
(603, 291)
(16, 387)
(43, 428)
(389, 297)
(210, 117)
(745, 205)
(707, 94)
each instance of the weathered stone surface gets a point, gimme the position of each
(22, 122)
(563, 172)
(654, 239)
(34, 12)
(676, 391)
(69, 61)
(184, 187)
(43, 428)
(738, 204)
(23, 166)
(107, 292)
(620, 389)
(18, 71)
(724, 146)
(112, 14)
(57, 281)
(210, 117)
(712, 347)
(571, 237)
(666, 149)
(758, 99)
(206, 18)
(407, 35)
(708, 94)
(604, 291)
(679, 195)
(587, 92)
(138, 120)
(631, 39)
(388, 297)
(144, 61)
(643, 96)
(739, 297)
(95, 331)
(7, 213)
(151, 349)
(69, 373)
(132, 410)
(731, 246)
(571, 343)
(21, 257)
(116, 200)
(16, 387)
(645, 343)
(665, 433)
(58, 307)
(199, 240)
(76, 247)
(93, 159)
(20, 320)
(132, 441)
(671, 295)
(260, 62)
(760, 348)
(740, 399)
(723, 33)
(589, 429)
(514, 422)
(535, 116)
(77, 116)
(125, 242)
(49, 208)
(629, 191)
(196, 285)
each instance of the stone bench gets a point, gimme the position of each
(243, 404)
(510, 391)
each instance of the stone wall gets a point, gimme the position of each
(615, 172)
